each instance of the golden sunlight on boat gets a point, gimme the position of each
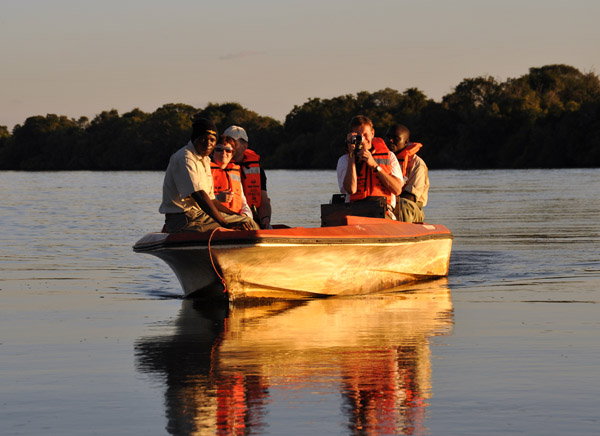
(363, 256)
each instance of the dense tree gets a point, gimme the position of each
(548, 118)
(8, 157)
(45, 143)
(523, 122)
(264, 133)
(314, 132)
(163, 133)
(4, 133)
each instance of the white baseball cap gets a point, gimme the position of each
(236, 132)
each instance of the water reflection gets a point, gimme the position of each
(226, 369)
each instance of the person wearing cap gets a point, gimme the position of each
(254, 179)
(189, 202)
(412, 200)
(368, 168)
(227, 177)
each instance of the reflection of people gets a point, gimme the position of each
(200, 397)
(388, 395)
(227, 177)
(254, 178)
(413, 198)
(225, 367)
(368, 168)
(189, 202)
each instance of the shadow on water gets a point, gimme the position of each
(226, 367)
(160, 294)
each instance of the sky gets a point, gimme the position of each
(79, 58)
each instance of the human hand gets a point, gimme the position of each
(265, 222)
(365, 155)
(224, 196)
(354, 141)
(244, 225)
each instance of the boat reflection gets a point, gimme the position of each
(224, 368)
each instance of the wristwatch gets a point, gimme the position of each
(377, 168)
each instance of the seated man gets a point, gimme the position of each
(189, 202)
(368, 168)
(227, 177)
(413, 198)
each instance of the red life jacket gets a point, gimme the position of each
(228, 179)
(368, 184)
(251, 178)
(406, 156)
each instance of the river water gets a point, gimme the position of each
(96, 339)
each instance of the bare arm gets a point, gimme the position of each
(222, 208)
(264, 211)
(245, 207)
(210, 207)
(392, 183)
(350, 180)
(417, 183)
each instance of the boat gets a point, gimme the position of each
(348, 255)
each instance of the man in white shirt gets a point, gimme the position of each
(189, 202)
(368, 168)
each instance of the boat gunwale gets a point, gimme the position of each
(250, 241)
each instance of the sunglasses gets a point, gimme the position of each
(227, 149)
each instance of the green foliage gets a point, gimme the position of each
(7, 155)
(315, 132)
(264, 133)
(44, 143)
(547, 118)
(4, 133)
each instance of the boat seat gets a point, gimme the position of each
(338, 198)
(335, 214)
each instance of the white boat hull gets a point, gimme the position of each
(296, 267)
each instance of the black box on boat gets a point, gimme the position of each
(335, 214)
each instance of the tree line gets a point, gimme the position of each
(547, 118)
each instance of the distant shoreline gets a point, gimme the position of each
(547, 118)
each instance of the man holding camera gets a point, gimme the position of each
(368, 168)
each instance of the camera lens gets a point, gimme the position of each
(357, 139)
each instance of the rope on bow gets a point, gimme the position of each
(213, 262)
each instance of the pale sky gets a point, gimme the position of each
(78, 58)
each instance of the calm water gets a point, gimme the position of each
(96, 339)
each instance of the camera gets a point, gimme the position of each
(357, 141)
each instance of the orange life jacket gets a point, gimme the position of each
(406, 155)
(368, 184)
(228, 179)
(251, 178)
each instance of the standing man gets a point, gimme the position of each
(368, 168)
(413, 198)
(254, 178)
(189, 202)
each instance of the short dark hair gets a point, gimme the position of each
(401, 128)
